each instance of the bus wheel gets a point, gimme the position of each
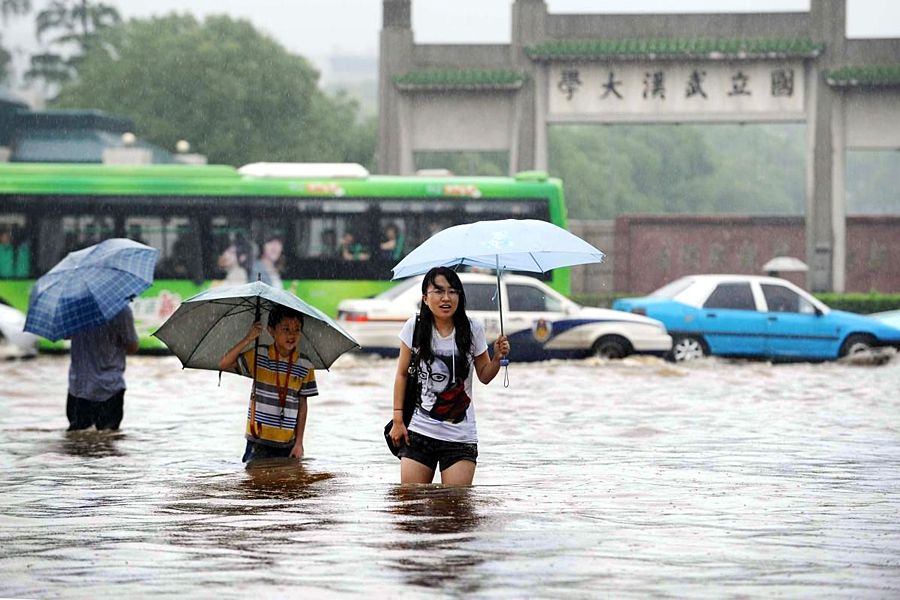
(687, 347)
(611, 347)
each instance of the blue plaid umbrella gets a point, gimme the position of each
(89, 287)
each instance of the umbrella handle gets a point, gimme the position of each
(504, 362)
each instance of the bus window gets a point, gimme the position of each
(176, 238)
(322, 235)
(392, 243)
(230, 251)
(15, 247)
(276, 243)
(81, 231)
(61, 235)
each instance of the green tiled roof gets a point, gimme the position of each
(672, 48)
(865, 76)
(467, 79)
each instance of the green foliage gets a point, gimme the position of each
(679, 169)
(70, 22)
(852, 302)
(861, 303)
(8, 9)
(494, 164)
(234, 93)
(873, 178)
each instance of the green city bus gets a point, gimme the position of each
(324, 231)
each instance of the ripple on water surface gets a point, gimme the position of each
(629, 478)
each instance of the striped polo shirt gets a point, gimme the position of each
(277, 426)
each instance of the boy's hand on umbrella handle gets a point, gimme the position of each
(254, 331)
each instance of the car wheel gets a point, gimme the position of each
(856, 343)
(611, 347)
(687, 347)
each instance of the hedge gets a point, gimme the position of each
(855, 302)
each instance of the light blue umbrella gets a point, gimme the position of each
(507, 245)
(89, 287)
(207, 325)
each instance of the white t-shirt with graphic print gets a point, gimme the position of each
(441, 376)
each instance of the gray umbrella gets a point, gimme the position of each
(208, 325)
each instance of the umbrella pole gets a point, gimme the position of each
(503, 361)
(254, 428)
(256, 341)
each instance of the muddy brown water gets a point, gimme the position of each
(624, 479)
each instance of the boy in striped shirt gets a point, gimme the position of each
(276, 419)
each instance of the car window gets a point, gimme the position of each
(480, 296)
(736, 296)
(526, 298)
(782, 299)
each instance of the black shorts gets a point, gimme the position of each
(83, 413)
(430, 452)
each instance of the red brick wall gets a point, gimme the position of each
(873, 254)
(652, 250)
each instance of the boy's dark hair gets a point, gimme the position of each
(280, 313)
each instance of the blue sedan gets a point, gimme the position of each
(752, 316)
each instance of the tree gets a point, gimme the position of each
(10, 8)
(679, 169)
(236, 94)
(78, 23)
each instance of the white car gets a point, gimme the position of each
(14, 341)
(541, 323)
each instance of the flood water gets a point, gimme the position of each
(625, 479)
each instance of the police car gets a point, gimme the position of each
(541, 323)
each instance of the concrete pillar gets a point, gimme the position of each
(838, 194)
(827, 19)
(395, 52)
(529, 26)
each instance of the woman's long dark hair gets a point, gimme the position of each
(463, 336)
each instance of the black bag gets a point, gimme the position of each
(412, 391)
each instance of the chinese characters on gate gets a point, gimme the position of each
(655, 84)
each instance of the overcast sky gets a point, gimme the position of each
(318, 28)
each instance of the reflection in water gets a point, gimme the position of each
(281, 479)
(258, 513)
(627, 479)
(438, 526)
(92, 444)
(433, 509)
(264, 487)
